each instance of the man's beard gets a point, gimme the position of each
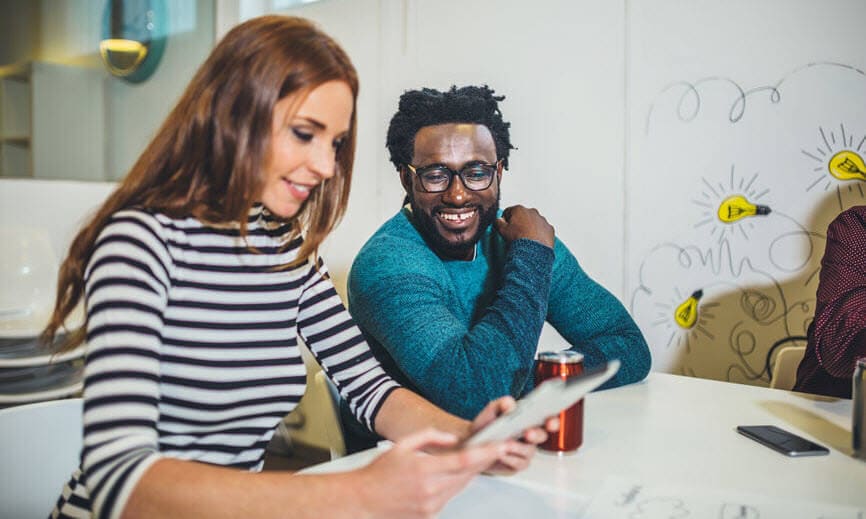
(427, 227)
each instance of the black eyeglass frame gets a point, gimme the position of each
(452, 173)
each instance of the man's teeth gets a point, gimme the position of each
(457, 217)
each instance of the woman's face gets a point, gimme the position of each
(303, 146)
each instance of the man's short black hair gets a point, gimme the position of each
(429, 107)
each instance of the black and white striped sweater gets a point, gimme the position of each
(193, 349)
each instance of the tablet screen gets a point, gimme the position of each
(548, 399)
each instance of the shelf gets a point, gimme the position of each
(16, 71)
(39, 103)
(15, 110)
(15, 159)
(22, 141)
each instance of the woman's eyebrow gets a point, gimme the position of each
(314, 122)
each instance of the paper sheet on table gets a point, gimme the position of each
(501, 498)
(620, 498)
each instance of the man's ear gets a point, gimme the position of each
(406, 179)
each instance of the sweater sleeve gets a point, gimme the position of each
(840, 318)
(594, 322)
(340, 348)
(127, 282)
(459, 368)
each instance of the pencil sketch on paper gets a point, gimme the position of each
(738, 511)
(660, 508)
(620, 498)
(754, 175)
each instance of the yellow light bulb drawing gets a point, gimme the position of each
(736, 207)
(847, 165)
(686, 314)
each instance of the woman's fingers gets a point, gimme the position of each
(492, 410)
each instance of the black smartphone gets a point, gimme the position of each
(782, 441)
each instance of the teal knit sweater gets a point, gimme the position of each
(462, 333)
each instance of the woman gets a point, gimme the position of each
(198, 274)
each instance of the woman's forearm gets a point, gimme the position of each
(178, 488)
(405, 412)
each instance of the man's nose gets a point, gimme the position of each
(456, 193)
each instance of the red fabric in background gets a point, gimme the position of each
(837, 335)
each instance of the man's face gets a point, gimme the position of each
(453, 221)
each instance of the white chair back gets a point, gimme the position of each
(785, 371)
(40, 447)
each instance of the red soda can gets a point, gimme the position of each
(563, 364)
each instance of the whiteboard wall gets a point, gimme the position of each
(749, 98)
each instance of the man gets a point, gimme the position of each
(450, 295)
(837, 335)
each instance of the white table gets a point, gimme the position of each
(680, 430)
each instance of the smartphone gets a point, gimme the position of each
(782, 441)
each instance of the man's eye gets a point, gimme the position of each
(301, 135)
(436, 176)
(476, 173)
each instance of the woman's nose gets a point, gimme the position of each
(323, 161)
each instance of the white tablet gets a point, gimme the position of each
(548, 399)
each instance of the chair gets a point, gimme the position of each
(40, 446)
(327, 405)
(785, 371)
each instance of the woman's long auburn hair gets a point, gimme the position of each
(206, 160)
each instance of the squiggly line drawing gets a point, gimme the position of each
(715, 259)
(743, 343)
(738, 106)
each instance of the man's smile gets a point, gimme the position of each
(457, 220)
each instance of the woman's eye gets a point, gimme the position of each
(338, 143)
(302, 135)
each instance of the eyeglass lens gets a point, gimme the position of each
(476, 177)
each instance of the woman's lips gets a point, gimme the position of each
(299, 191)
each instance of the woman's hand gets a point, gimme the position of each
(421, 472)
(518, 454)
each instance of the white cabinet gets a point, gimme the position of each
(52, 121)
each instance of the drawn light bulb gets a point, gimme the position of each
(736, 207)
(847, 165)
(686, 314)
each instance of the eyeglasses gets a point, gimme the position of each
(436, 178)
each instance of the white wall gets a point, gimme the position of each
(560, 65)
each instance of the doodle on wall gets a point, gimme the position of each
(740, 273)
(842, 160)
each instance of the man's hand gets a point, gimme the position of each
(524, 222)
